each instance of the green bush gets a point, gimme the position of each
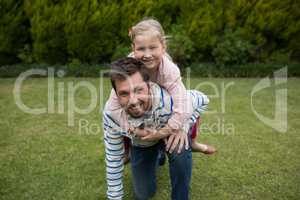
(47, 31)
(242, 70)
(121, 51)
(71, 70)
(180, 45)
(92, 31)
(232, 49)
(281, 57)
(25, 54)
(14, 33)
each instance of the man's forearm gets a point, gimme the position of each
(114, 151)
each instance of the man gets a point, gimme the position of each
(146, 108)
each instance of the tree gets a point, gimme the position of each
(14, 32)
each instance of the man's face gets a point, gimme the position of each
(133, 95)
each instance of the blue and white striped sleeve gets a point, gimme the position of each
(200, 102)
(199, 105)
(114, 151)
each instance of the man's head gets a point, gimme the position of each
(129, 79)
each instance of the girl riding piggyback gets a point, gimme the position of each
(149, 46)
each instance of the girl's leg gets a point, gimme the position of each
(198, 147)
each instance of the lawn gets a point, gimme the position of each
(42, 158)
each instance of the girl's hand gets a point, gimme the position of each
(178, 140)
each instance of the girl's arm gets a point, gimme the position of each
(169, 77)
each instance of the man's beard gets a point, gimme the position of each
(141, 107)
(136, 110)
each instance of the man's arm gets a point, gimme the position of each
(114, 151)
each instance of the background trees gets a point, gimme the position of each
(91, 31)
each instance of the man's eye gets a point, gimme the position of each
(139, 90)
(153, 47)
(123, 94)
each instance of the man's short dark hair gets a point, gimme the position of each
(125, 67)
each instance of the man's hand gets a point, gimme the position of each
(137, 132)
(180, 139)
(176, 137)
(149, 134)
(154, 135)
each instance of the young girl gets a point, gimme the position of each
(149, 46)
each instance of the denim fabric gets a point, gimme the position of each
(144, 162)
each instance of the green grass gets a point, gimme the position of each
(41, 157)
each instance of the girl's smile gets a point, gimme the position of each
(149, 49)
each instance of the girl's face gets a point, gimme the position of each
(148, 49)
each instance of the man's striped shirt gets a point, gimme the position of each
(116, 126)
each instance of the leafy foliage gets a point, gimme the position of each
(231, 49)
(92, 31)
(180, 45)
(14, 31)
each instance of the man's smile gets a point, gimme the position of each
(136, 109)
